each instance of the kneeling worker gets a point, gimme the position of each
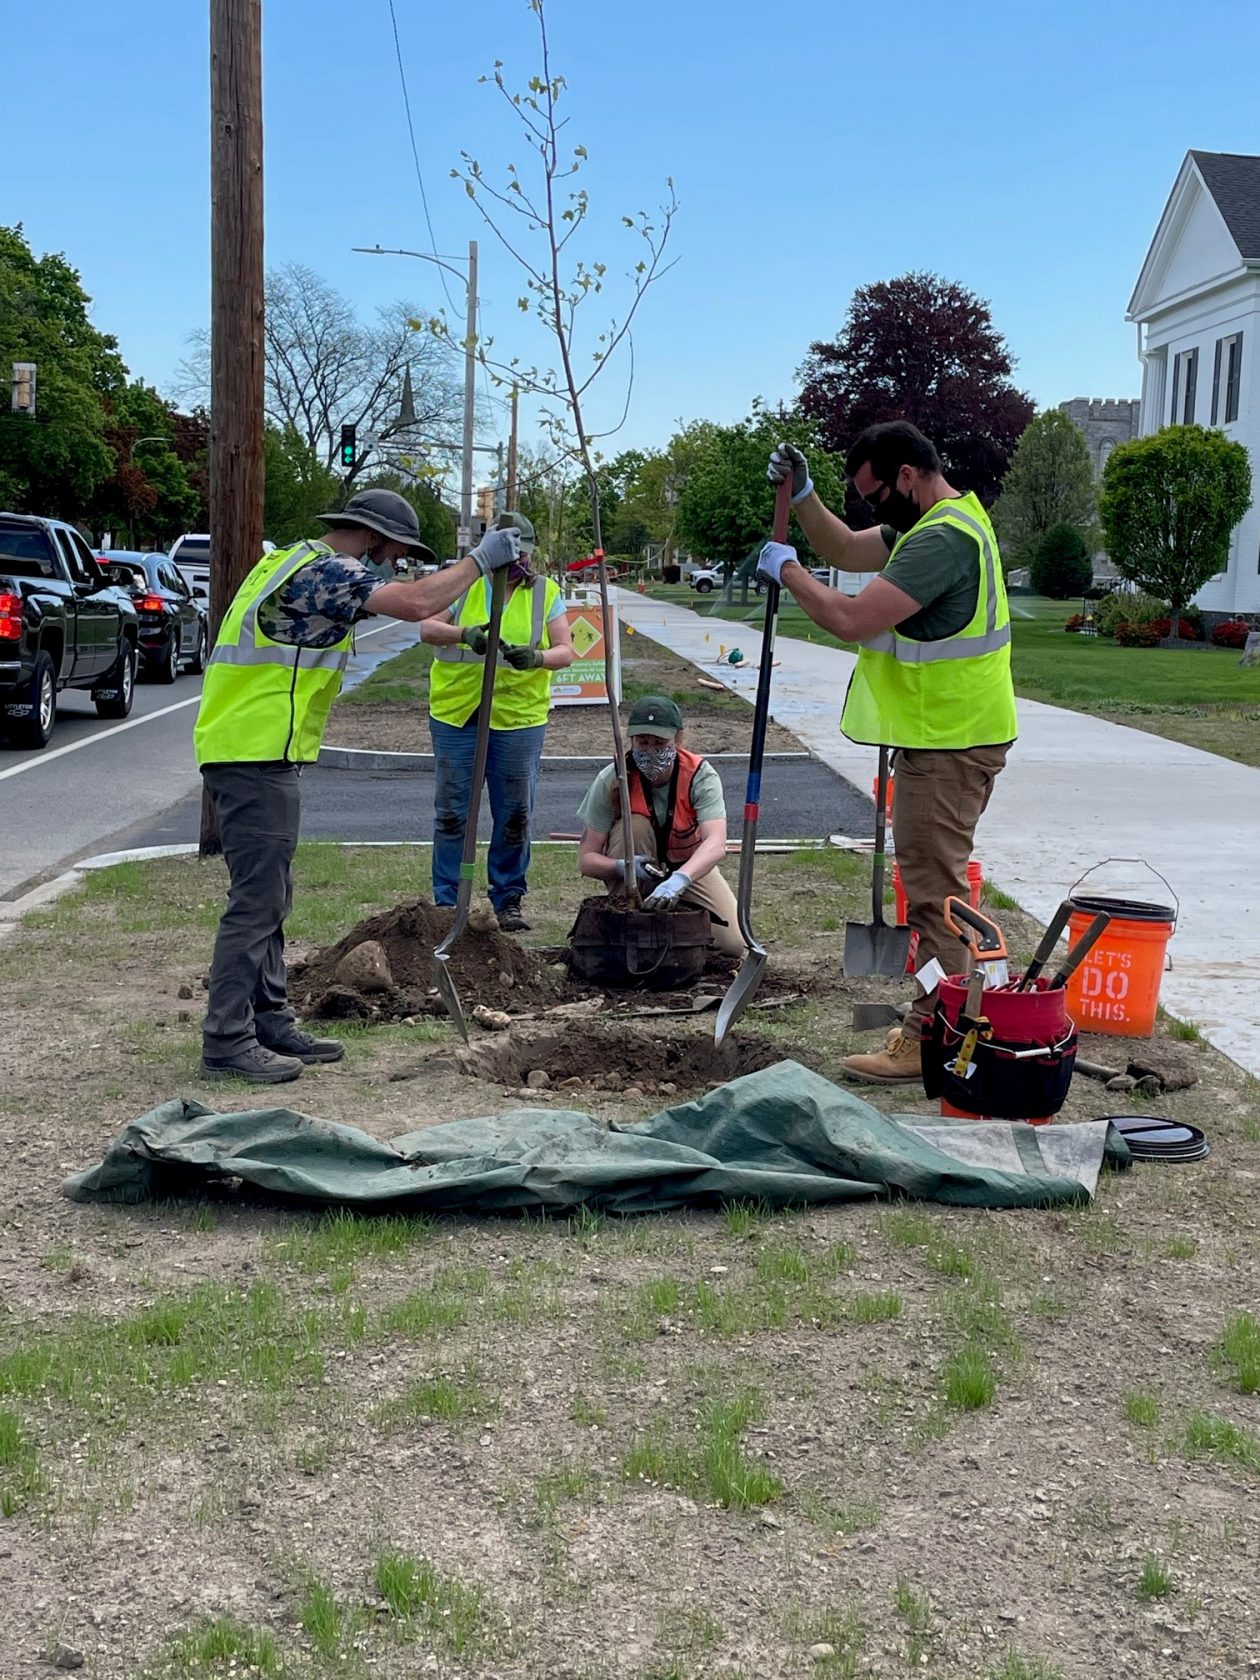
(678, 818)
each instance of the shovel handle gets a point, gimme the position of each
(1084, 945)
(1049, 939)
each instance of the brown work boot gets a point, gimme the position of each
(900, 1062)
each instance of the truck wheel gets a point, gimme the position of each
(113, 698)
(703, 586)
(197, 664)
(35, 730)
(167, 668)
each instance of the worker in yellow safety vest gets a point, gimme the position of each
(933, 674)
(275, 671)
(535, 641)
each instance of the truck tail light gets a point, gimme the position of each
(150, 603)
(10, 615)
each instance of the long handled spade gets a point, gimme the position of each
(877, 946)
(745, 983)
(468, 863)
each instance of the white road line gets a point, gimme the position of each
(133, 723)
(91, 740)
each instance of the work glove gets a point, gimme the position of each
(786, 459)
(496, 550)
(644, 879)
(772, 559)
(669, 892)
(523, 658)
(475, 637)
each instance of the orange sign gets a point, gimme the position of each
(586, 682)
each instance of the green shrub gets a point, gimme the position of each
(1061, 566)
(1136, 609)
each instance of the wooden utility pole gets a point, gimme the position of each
(510, 493)
(236, 311)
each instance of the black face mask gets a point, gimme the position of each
(898, 510)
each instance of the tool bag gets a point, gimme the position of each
(664, 951)
(1009, 1080)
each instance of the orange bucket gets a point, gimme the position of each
(1116, 988)
(975, 882)
(949, 1112)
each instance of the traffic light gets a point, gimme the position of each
(347, 447)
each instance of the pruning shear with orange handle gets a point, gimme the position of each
(987, 950)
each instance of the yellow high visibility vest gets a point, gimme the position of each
(262, 700)
(953, 693)
(522, 699)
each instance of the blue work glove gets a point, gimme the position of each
(786, 459)
(496, 550)
(772, 559)
(669, 892)
(643, 879)
(475, 637)
(523, 658)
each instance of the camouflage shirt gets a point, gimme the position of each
(320, 603)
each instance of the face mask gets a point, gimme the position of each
(898, 510)
(657, 764)
(383, 568)
(519, 572)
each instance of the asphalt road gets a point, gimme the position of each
(104, 786)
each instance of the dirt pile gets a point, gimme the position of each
(397, 978)
(593, 1055)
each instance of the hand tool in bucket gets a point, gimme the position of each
(982, 937)
(1084, 945)
(1045, 950)
(746, 981)
(468, 863)
(877, 947)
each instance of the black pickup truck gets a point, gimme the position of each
(63, 624)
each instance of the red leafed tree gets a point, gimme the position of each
(924, 349)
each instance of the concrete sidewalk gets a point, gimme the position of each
(1075, 791)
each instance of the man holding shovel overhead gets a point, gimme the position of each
(275, 671)
(933, 677)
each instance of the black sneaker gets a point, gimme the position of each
(511, 919)
(306, 1047)
(258, 1064)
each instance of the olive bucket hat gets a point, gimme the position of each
(388, 513)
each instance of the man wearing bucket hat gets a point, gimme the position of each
(274, 673)
(535, 641)
(678, 816)
(933, 674)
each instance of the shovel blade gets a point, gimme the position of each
(450, 997)
(741, 993)
(869, 1017)
(875, 948)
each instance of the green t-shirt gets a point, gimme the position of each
(596, 810)
(937, 567)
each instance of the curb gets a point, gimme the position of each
(365, 759)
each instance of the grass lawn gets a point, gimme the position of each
(238, 1438)
(1202, 697)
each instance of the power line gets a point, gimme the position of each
(415, 151)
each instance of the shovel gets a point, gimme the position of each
(746, 981)
(468, 863)
(877, 947)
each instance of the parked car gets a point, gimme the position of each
(173, 627)
(62, 625)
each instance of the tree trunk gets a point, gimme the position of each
(236, 314)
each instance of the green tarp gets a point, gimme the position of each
(784, 1135)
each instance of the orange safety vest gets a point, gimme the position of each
(679, 835)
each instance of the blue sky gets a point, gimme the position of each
(1024, 151)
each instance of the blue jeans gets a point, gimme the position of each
(511, 776)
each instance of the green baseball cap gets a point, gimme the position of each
(655, 715)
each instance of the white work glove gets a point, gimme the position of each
(786, 459)
(643, 880)
(496, 550)
(772, 559)
(669, 892)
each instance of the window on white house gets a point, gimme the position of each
(1227, 374)
(1185, 379)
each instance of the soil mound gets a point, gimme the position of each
(486, 966)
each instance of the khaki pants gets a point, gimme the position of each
(712, 893)
(940, 797)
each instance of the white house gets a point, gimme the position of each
(1197, 306)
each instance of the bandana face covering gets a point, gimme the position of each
(656, 764)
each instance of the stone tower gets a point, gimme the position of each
(1105, 421)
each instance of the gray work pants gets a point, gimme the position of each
(259, 810)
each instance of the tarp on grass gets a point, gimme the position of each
(784, 1135)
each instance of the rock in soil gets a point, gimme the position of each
(406, 936)
(1169, 1063)
(65, 1656)
(365, 968)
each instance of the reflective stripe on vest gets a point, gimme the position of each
(951, 693)
(522, 699)
(264, 700)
